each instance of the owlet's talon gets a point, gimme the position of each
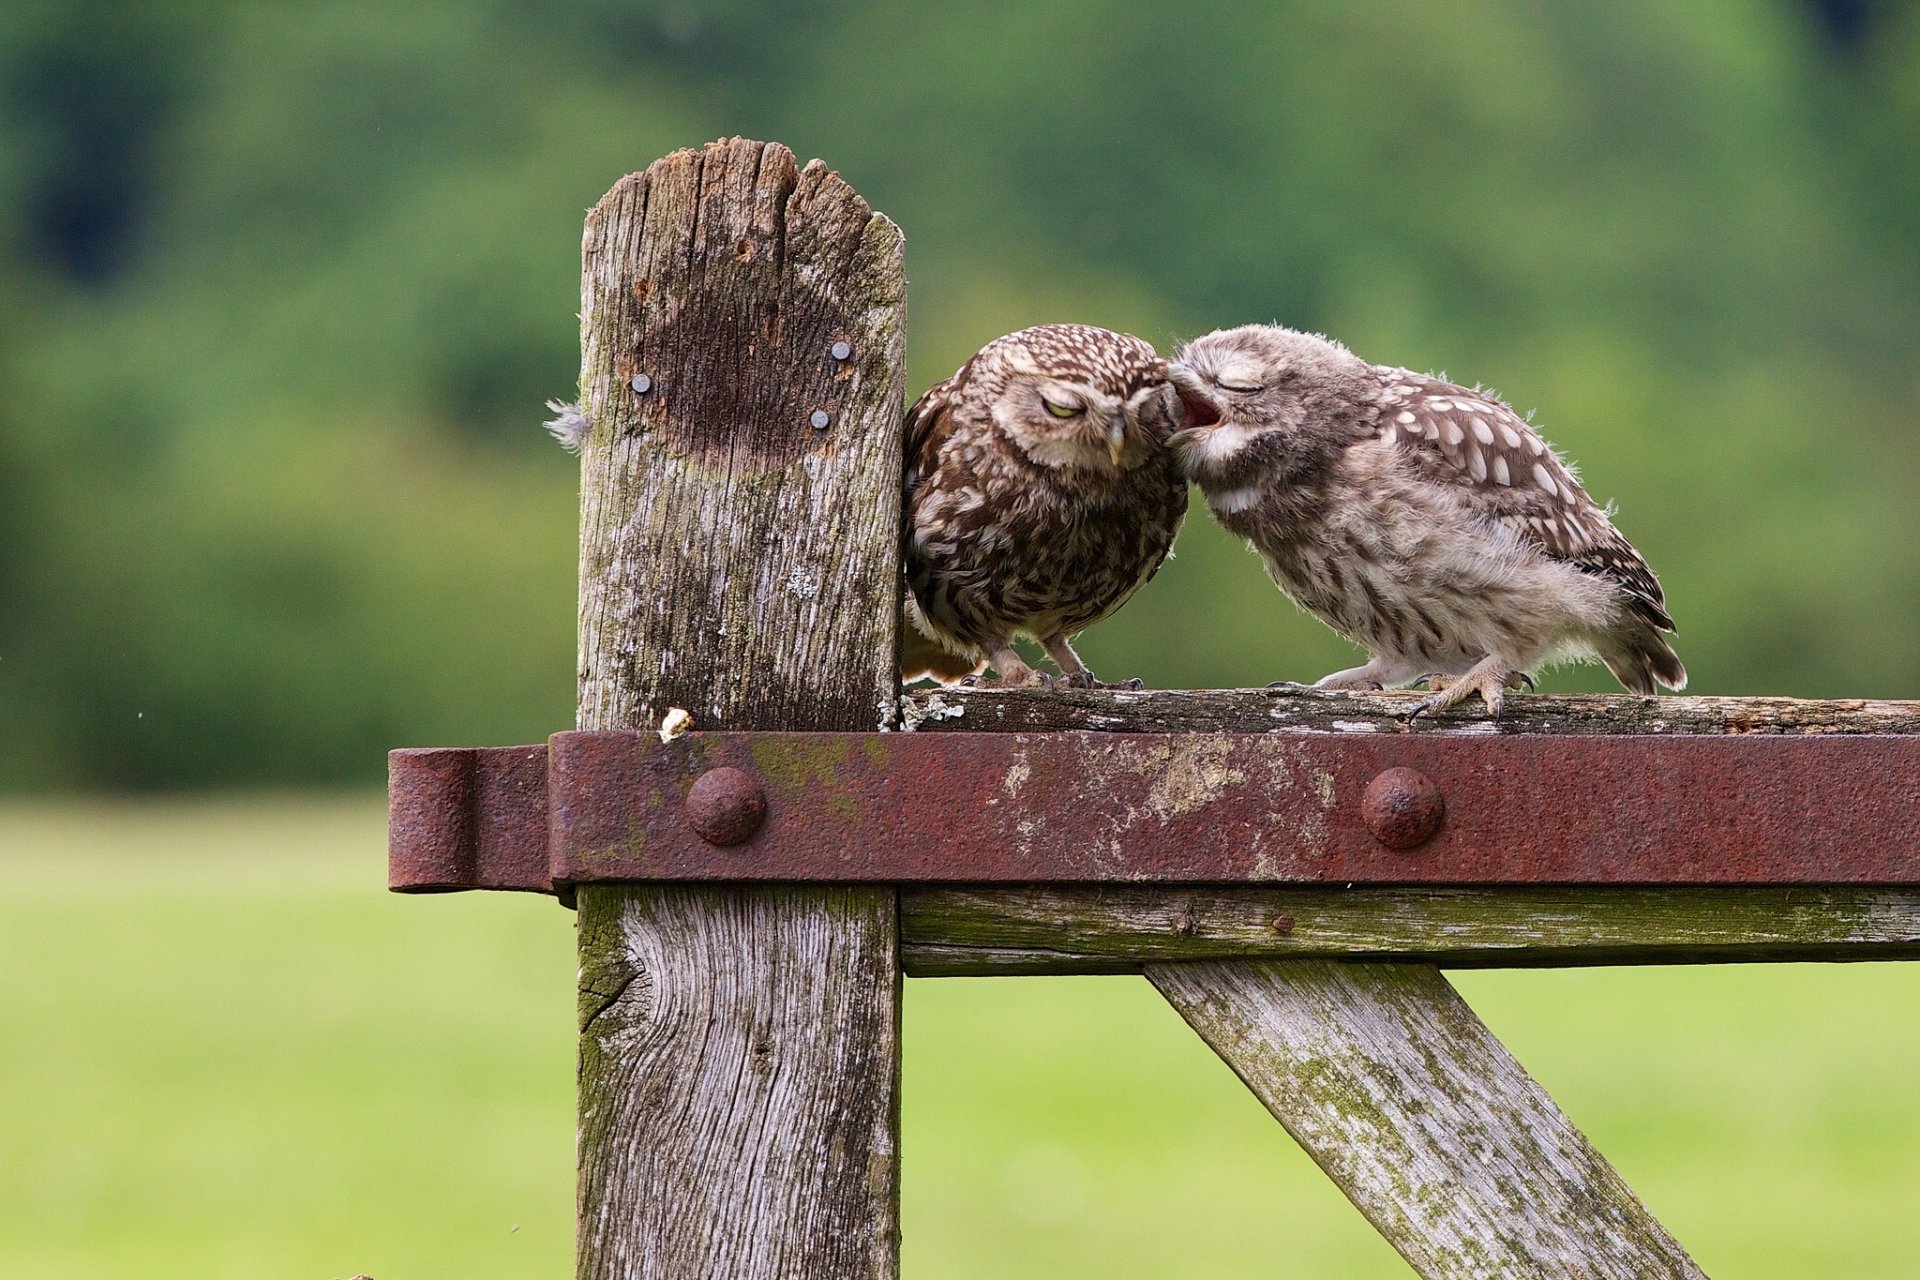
(1134, 684)
(1428, 706)
(1486, 679)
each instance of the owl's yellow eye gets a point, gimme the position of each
(1060, 410)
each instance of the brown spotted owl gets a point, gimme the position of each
(1040, 495)
(1426, 522)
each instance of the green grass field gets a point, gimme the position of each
(226, 1051)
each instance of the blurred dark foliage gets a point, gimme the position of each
(287, 285)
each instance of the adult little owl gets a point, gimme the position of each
(1040, 495)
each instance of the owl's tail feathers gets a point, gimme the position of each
(922, 659)
(1642, 658)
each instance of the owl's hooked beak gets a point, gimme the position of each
(1116, 437)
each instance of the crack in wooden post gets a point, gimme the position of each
(739, 1045)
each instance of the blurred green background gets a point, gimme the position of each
(286, 285)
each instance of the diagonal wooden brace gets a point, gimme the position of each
(1406, 1100)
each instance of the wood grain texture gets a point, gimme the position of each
(1311, 710)
(1119, 929)
(739, 1046)
(739, 1054)
(726, 544)
(1393, 1086)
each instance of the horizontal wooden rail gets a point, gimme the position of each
(1122, 929)
(1305, 709)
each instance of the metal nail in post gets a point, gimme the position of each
(820, 419)
(641, 384)
(842, 351)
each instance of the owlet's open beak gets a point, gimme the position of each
(1198, 409)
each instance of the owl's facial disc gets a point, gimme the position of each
(1074, 426)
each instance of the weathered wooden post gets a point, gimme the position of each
(742, 367)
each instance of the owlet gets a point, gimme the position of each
(1426, 522)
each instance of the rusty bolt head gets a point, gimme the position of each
(725, 806)
(1403, 808)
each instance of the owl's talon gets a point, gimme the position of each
(1489, 684)
(1081, 679)
(967, 682)
(1355, 685)
(1135, 684)
(1520, 679)
(1024, 680)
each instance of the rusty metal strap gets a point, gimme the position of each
(1075, 807)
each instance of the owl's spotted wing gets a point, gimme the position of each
(930, 423)
(1457, 436)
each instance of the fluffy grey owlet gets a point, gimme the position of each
(1040, 495)
(1426, 522)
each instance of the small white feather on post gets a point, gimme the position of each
(567, 425)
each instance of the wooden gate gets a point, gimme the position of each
(1292, 871)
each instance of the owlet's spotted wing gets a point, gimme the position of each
(1457, 436)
